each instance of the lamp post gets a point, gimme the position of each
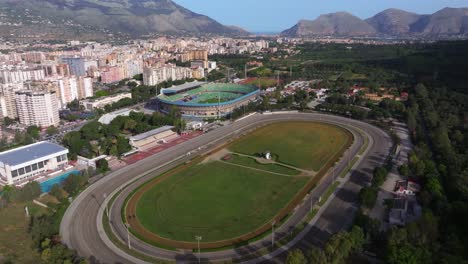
(107, 208)
(273, 233)
(198, 238)
(128, 236)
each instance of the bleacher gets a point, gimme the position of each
(209, 92)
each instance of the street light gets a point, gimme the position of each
(128, 235)
(273, 233)
(198, 238)
(107, 208)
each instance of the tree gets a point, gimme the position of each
(8, 121)
(367, 197)
(296, 257)
(56, 191)
(102, 165)
(33, 131)
(52, 130)
(316, 256)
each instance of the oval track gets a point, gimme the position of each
(80, 228)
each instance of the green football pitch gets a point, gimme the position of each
(219, 200)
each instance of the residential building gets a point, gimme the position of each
(76, 64)
(18, 74)
(111, 74)
(38, 108)
(156, 75)
(8, 99)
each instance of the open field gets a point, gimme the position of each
(16, 244)
(214, 199)
(263, 83)
(252, 163)
(301, 144)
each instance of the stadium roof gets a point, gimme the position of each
(30, 152)
(183, 87)
(151, 133)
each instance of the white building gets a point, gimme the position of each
(8, 100)
(18, 74)
(107, 118)
(37, 108)
(156, 75)
(28, 162)
(99, 103)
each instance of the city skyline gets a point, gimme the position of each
(249, 15)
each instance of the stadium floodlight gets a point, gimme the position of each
(198, 238)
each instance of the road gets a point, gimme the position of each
(81, 228)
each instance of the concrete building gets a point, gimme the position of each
(111, 74)
(156, 75)
(37, 108)
(99, 103)
(18, 74)
(8, 99)
(76, 64)
(159, 135)
(85, 87)
(29, 162)
(193, 55)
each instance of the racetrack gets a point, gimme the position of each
(81, 228)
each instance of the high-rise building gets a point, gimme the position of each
(8, 100)
(38, 108)
(85, 87)
(156, 75)
(13, 74)
(77, 65)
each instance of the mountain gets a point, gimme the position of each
(390, 22)
(447, 21)
(337, 24)
(129, 17)
(393, 21)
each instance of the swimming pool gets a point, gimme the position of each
(46, 186)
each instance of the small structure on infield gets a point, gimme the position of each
(267, 155)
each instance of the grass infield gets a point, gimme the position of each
(227, 204)
(301, 144)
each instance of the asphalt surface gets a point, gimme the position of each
(81, 227)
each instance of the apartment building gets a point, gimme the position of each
(38, 108)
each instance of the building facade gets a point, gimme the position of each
(28, 162)
(37, 108)
(99, 103)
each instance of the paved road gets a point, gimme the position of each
(80, 226)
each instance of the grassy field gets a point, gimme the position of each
(252, 163)
(263, 82)
(215, 200)
(15, 242)
(301, 144)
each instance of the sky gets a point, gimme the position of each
(278, 15)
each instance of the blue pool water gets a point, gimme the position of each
(46, 186)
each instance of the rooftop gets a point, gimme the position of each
(30, 152)
(183, 87)
(151, 133)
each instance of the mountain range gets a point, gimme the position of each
(127, 17)
(101, 19)
(390, 22)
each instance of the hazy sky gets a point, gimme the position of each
(277, 15)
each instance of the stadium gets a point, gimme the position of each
(206, 100)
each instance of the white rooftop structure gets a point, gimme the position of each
(107, 118)
(26, 162)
